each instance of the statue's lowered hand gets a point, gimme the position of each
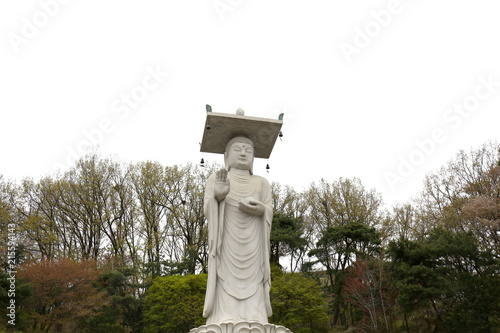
(251, 206)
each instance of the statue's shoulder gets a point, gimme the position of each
(262, 180)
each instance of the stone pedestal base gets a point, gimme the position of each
(240, 327)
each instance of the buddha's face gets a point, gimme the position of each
(240, 156)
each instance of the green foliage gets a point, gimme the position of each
(345, 242)
(298, 303)
(175, 304)
(22, 292)
(446, 272)
(337, 249)
(187, 265)
(151, 219)
(124, 311)
(286, 236)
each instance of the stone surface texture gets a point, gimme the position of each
(239, 212)
(238, 207)
(241, 327)
(221, 127)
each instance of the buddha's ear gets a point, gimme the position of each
(226, 164)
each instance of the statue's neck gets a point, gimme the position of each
(239, 172)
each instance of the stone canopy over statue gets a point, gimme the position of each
(239, 214)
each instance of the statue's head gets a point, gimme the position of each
(239, 154)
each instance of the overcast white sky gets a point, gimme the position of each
(381, 90)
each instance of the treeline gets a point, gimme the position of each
(123, 248)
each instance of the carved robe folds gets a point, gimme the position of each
(238, 267)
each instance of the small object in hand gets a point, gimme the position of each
(247, 201)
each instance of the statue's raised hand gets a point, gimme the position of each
(221, 184)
